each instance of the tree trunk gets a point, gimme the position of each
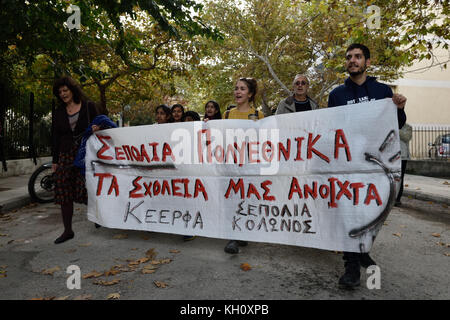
(265, 107)
(102, 106)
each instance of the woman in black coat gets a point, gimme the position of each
(70, 121)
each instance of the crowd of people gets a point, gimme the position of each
(75, 113)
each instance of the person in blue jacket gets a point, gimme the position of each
(359, 87)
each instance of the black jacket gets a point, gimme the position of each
(63, 137)
(350, 93)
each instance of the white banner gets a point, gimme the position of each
(321, 179)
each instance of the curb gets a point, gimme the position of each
(426, 197)
(14, 203)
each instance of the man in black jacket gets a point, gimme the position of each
(361, 88)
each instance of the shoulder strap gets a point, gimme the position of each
(227, 113)
(257, 114)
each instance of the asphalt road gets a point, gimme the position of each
(412, 251)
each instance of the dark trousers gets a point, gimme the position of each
(401, 184)
(352, 257)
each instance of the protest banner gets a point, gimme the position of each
(323, 179)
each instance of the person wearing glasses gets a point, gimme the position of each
(299, 100)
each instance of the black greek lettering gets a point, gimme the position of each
(250, 224)
(307, 226)
(297, 226)
(273, 223)
(235, 223)
(285, 224)
(198, 220)
(267, 209)
(186, 218)
(148, 216)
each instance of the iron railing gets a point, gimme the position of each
(430, 142)
(24, 132)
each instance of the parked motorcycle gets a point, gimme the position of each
(41, 185)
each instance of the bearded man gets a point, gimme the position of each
(361, 88)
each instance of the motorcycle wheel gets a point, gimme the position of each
(41, 185)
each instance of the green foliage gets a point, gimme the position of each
(273, 40)
(118, 39)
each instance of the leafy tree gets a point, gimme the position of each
(273, 40)
(106, 35)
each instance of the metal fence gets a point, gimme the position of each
(24, 133)
(430, 142)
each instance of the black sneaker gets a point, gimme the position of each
(242, 243)
(351, 277)
(366, 261)
(232, 247)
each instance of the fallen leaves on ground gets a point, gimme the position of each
(113, 296)
(151, 253)
(92, 274)
(246, 267)
(162, 261)
(106, 283)
(50, 271)
(446, 183)
(83, 297)
(42, 299)
(447, 254)
(174, 251)
(148, 269)
(436, 235)
(120, 236)
(143, 260)
(160, 284)
(398, 234)
(86, 244)
(62, 298)
(115, 270)
(3, 235)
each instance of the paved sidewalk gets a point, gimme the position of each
(14, 190)
(427, 188)
(14, 193)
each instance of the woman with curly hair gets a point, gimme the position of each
(71, 118)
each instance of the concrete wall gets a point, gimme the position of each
(438, 169)
(22, 166)
(427, 90)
